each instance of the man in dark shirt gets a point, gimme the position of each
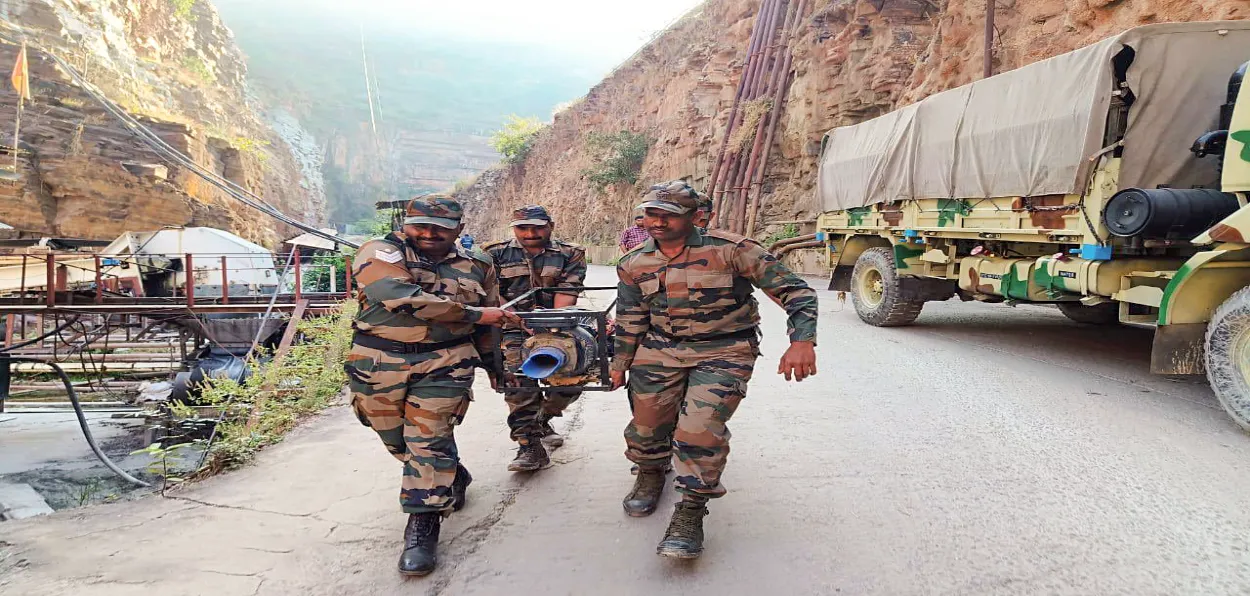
(533, 259)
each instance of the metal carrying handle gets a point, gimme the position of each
(578, 289)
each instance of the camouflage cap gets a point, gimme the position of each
(531, 215)
(674, 197)
(437, 209)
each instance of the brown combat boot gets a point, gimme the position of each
(420, 544)
(645, 496)
(530, 456)
(684, 538)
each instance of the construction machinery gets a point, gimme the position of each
(1111, 182)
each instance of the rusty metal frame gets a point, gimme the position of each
(602, 340)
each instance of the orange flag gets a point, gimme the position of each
(21, 75)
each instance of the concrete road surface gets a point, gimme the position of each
(986, 450)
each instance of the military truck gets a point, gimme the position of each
(1111, 182)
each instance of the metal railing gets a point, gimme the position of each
(103, 275)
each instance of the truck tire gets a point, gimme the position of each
(1228, 356)
(1101, 314)
(875, 291)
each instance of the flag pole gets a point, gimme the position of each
(17, 126)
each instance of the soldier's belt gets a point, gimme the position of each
(749, 333)
(402, 347)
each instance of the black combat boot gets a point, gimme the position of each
(648, 486)
(420, 544)
(684, 538)
(460, 488)
(551, 439)
(530, 456)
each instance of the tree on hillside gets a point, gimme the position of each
(516, 138)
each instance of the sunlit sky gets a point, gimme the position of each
(607, 30)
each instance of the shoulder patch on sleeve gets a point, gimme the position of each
(390, 256)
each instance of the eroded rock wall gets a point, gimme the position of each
(84, 175)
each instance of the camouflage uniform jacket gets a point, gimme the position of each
(560, 265)
(702, 294)
(405, 296)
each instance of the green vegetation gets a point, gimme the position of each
(260, 410)
(516, 138)
(785, 233)
(182, 9)
(380, 224)
(463, 183)
(317, 275)
(253, 147)
(198, 67)
(618, 158)
(88, 491)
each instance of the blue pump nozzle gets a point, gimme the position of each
(543, 362)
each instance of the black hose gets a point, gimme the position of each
(56, 331)
(82, 421)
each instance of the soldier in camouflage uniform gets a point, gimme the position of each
(533, 259)
(703, 213)
(702, 220)
(413, 356)
(687, 333)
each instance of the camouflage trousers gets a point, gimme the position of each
(681, 406)
(527, 410)
(414, 402)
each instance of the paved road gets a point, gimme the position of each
(986, 450)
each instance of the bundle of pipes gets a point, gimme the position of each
(788, 244)
(798, 245)
(738, 176)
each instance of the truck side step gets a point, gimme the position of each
(1142, 288)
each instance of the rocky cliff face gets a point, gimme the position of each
(172, 64)
(855, 59)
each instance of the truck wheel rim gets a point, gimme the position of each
(872, 287)
(1241, 354)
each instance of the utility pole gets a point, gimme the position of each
(989, 38)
